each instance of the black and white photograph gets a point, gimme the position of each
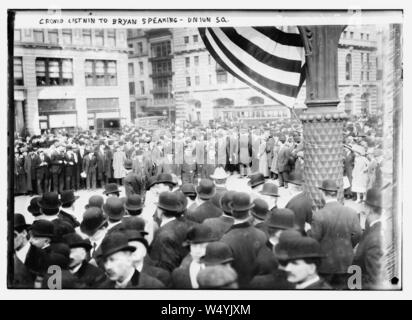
(205, 150)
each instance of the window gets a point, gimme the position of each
(131, 69)
(142, 91)
(186, 40)
(367, 59)
(100, 73)
(18, 71)
(196, 61)
(361, 36)
(367, 76)
(161, 49)
(133, 110)
(187, 62)
(209, 59)
(197, 80)
(221, 77)
(361, 75)
(140, 48)
(345, 34)
(351, 35)
(210, 79)
(141, 67)
(348, 66)
(53, 36)
(132, 90)
(17, 35)
(111, 38)
(99, 37)
(256, 100)
(361, 58)
(188, 83)
(38, 35)
(87, 36)
(195, 38)
(367, 36)
(67, 36)
(348, 104)
(130, 45)
(54, 72)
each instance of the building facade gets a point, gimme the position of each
(68, 78)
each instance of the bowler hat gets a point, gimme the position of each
(280, 218)
(270, 189)
(68, 196)
(188, 189)
(42, 228)
(182, 200)
(133, 223)
(169, 201)
(95, 201)
(298, 247)
(115, 242)
(225, 200)
(329, 185)
(134, 235)
(219, 174)
(60, 255)
(206, 189)
(134, 203)
(151, 181)
(50, 201)
(110, 188)
(128, 164)
(165, 178)
(217, 253)
(200, 234)
(114, 209)
(93, 220)
(74, 240)
(20, 221)
(241, 202)
(373, 198)
(215, 277)
(261, 209)
(256, 180)
(295, 178)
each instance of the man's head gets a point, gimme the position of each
(49, 203)
(168, 205)
(329, 188)
(79, 248)
(137, 240)
(198, 237)
(300, 270)
(277, 221)
(41, 233)
(240, 206)
(373, 203)
(21, 236)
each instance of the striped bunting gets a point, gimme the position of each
(266, 58)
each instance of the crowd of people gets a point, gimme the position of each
(178, 225)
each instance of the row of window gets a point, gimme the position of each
(350, 35)
(221, 78)
(348, 66)
(195, 39)
(254, 114)
(131, 68)
(67, 36)
(132, 90)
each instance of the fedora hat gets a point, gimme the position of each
(34, 208)
(95, 201)
(20, 222)
(241, 202)
(133, 223)
(199, 234)
(280, 218)
(115, 242)
(42, 228)
(217, 253)
(188, 189)
(133, 203)
(68, 196)
(226, 198)
(74, 240)
(50, 201)
(373, 198)
(111, 188)
(114, 208)
(261, 209)
(295, 178)
(151, 181)
(299, 247)
(206, 189)
(219, 174)
(134, 235)
(93, 220)
(165, 178)
(169, 201)
(285, 238)
(270, 189)
(128, 164)
(256, 180)
(329, 185)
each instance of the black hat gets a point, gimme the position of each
(215, 277)
(115, 242)
(128, 164)
(225, 200)
(169, 201)
(182, 200)
(280, 218)
(199, 234)
(374, 198)
(329, 185)
(20, 221)
(133, 223)
(270, 189)
(114, 209)
(134, 235)
(93, 220)
(241, 202)
(261, 209)
(49, 201)
(298, 247)
(42, 228)
(74, 240)
(95, 201)
(110, 188)
(188, 189)
(59, 255)
(295, 178)
(68, 196)
(151, 181)
(206, 189)
(256, 180)
(133, 203)
(165, 178)
(217, 253)
(34, 208)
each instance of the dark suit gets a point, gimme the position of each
(338, 230)
(283, 164)
(158, 273)
(79, 169)
(246, 243)
(22, 277)
(133, 184)
(42, 173)
(139, 280)
(319, 285)
(276, 280)
(219, 225)
(89, 166)
(90, 275)
(368, 256)
(36, 261)
(67, 217)
(69, 171)
(57, 172)
(205, 211)
(301, 205)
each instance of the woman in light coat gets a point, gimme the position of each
(360, 173)
(119, 158)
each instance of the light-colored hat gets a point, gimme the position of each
(219, 174)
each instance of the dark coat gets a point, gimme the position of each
(158, 273)
(319, 285)
(338, 230)
(139, 280)
(368, 255)
(107, 164)
(43, 170)
(283, 163)
(277, 280)
(181, 278)
(167, 250)
(133, 184)
(29, 169)
(219, 225)
(205, 211)
(246, 243)
(301, 205)
(100, 164)
(89, 165)
(90, 275)
(70, 165)
(68, 281)
(22, 277)
(36, 261)
(67, 217)
(57, 165)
